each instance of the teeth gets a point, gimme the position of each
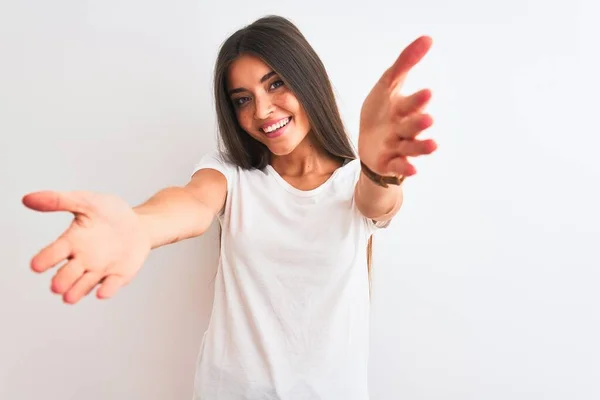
(277, 125)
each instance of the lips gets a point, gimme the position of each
(275, 124)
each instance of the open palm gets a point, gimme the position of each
(391, 122)
(105, 244)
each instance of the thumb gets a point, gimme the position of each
(49, 200)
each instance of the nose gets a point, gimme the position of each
(263, 107)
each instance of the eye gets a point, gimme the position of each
(240, 101)
(276, 84)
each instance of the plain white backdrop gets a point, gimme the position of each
(486, 284)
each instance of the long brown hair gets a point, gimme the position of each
(280, 45)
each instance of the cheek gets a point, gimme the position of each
(299, 114)
(290, 103)
(287, 101)
(244, 118)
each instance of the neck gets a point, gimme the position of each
(307, 158)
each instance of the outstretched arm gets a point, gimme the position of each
(177, 213)
(108, 241)
(389, 126)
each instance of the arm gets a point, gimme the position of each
(108, 241)
(376, 202)
(389, 131)
(177, 213)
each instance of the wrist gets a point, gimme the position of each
(145, 225)
(380, 180)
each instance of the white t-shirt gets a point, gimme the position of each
(290, 318)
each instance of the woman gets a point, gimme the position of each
(297, 210)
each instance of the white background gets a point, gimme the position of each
(485, 286)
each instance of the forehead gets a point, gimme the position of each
(245, 71)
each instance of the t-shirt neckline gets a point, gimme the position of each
(304, 193)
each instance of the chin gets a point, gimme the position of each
(282, 149)
(282, 146)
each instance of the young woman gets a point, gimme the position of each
(297, 210)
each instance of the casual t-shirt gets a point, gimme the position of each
(290, 317)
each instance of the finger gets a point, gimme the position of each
(109, 286)
(52, 254)
(416, 102)
(393, 163)
(66, 276)
(412, 125)
(49, 200)
(82, 287)
(414, 148)
(409, 57)
(400, 166)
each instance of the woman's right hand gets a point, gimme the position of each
(105, 245)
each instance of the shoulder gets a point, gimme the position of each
(350, 171)
(344, 179)
(218, 161)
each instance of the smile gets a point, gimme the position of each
(277, 125)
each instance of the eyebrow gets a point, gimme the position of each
(262, 80)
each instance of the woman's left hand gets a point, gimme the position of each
(391, 122)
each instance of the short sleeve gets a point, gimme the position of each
(214, 160)
(376, 225)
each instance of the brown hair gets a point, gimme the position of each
(280, 44)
